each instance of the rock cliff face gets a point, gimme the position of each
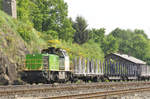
(12, 52)
(8, 72)
(14, 47)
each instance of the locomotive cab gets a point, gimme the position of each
(65, 61)
(49, 66)
(63, 57)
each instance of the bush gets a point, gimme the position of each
(89, 50)
(51, 33)
(25, 32)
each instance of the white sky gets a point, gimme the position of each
(110, 14)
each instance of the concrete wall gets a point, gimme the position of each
(9, 6)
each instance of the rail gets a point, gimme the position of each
(99, 95)
(49, 89)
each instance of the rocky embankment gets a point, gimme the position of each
(12, 52)
(16, 40)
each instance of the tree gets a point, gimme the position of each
(81, 34)
(97, 34)
(124, 38)
(53, 15)
(47, 16)
(147, 56)
(0, 4)
(67, 31)
(134, 43)
(110, 45)
(139, 46)
(138, 31)
(122, 34)
(24, 10)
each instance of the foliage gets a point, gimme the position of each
(6, 22)
(147, 56)
(0, 4)
(67, 31)
(110, 45)
(139, 46)
(26, 32)
(122, 34)
(93, 50)
(53, 34)
(97, 34)
(75, 50)
(82, 34)
(23, 10)
(138, 31)
(134, 43)
(48, 16)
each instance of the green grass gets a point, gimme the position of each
(23, 31)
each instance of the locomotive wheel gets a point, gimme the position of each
(54, 76)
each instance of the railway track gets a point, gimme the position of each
(98, 95)
(62, 89)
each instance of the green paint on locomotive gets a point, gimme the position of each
(53, 62)
(42, 62)
(34, 61)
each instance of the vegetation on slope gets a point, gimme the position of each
(15, 43)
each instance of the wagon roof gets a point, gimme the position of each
(130, 58)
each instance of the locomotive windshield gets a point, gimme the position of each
(64, 53)
(51, 50)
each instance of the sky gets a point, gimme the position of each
(110, 14)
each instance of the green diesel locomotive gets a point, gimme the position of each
(49, 66)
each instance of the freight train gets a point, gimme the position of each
(53, 65)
